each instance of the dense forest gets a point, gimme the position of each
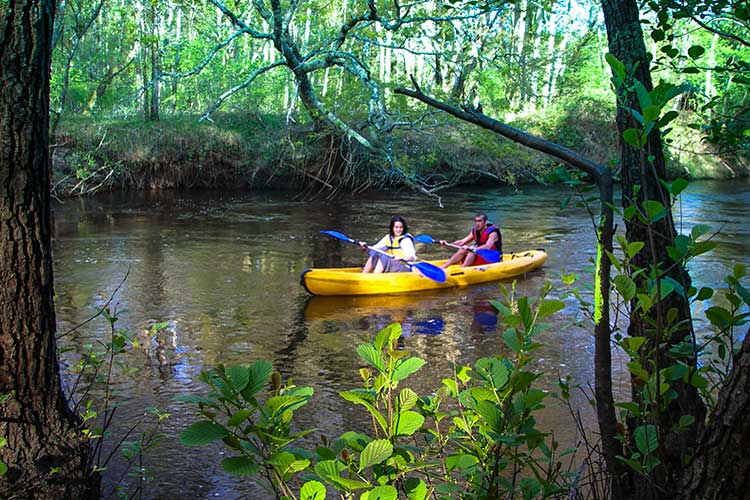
(160, 94)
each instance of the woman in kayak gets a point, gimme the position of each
(399, 245)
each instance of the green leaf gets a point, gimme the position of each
(549, 307)
(448, 488)
(492, 370)
(287, 463)
(407, 423)
(739, 271)
(239, 417)
(633, 248)
(699, 230)
(360, 400)
(511, 340)
(705, 293)
(614, 260)
(415, 488)
(719, 317)
(203, 432)
(702, 247)
(644, 98)
(260, 374)
(4, 469)
(238, 376)
(280, 404)
(651, 114)
(407, 398)
(646, 439)
(452, 385)
(618, 68)
(629, 212)
(634, 343)
(328, 469)
(460, 461)
(406, 367)
(644, 302)
(533, 398)
(385, 492)
(369, 353)
(625, 286)
(375, 452)
(634, 137)
(312, 490)
(491, 415)
(696, 51)
(390, 332)
(663, 122)
(349, 484)
(240, 466)
(654, 210)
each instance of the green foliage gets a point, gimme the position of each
(417, 449)
(93, 399)
(702, 363)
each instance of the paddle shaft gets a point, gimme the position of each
(483, 252)
(429, 270)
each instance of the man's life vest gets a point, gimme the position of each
(394, 245)
(481, 237)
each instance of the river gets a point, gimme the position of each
(222, 268)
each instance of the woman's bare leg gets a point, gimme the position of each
(379, 267)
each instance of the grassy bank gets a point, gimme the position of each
(253, 151)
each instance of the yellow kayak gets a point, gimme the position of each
(351, 280)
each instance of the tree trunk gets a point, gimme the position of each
(642, 171)
(45, 453)
(721, 468)
(153, 111)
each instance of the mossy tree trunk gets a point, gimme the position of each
(46, 455)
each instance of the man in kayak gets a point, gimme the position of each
(484, 235)
(398, 243)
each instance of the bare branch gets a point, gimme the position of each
(223, 97)
(201, 66)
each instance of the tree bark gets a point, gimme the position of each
(45, 453)
(721, 468)
(642, 172)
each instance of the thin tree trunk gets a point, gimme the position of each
(178, 52)
(153, 113)
(46, 454)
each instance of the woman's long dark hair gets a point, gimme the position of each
(394, 220)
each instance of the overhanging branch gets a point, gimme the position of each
(573, 158)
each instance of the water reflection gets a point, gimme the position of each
(222, 270)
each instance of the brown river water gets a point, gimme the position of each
(223, 269)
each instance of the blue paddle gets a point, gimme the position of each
(488, 255)
(429, 270)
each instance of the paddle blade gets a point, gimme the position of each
(424, 238)
(431, 271)
(338, 235)
(489, 255)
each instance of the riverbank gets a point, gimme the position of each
(265, 152)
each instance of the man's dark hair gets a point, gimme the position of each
(482, 215)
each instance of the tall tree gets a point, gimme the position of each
(45, 453)
(643, 170)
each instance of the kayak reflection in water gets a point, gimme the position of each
(398, 244)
